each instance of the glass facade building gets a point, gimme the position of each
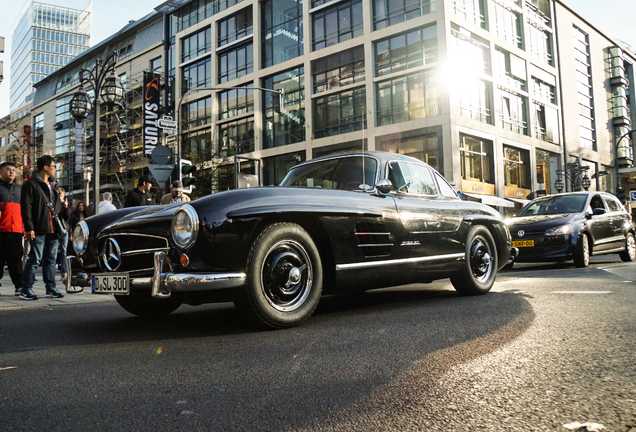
(45, 38)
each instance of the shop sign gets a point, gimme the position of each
(478, 187)
(515, 192)
(151, 101)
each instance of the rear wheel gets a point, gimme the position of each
(582, 251)
(480, 267)
(284, 277)
(142, 304)
(629, 254)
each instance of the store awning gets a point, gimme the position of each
(490, 200)
(519, 200)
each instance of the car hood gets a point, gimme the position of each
(145, 215)
(542, 222)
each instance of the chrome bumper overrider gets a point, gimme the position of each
(162, 284)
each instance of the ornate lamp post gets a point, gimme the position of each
(577, 175)
(106, 89)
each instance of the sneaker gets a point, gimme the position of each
(18, 291)
(53, 292)
(29, 295)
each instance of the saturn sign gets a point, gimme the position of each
(152, 95)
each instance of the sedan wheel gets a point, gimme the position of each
(629, 254)
(582, 251)
(284, 277)
(480, 268)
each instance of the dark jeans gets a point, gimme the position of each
(11, 253)
(44, 252)
(62, 250)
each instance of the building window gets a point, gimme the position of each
(516, 168)
(512, 113)
(196, 11)
(473, 11)
(340, 113)
(197, 146)
(510, 70)
(289, 126)
(63, 126)
(282, 31)
(197, 113)
(539, 11)
(405, 51)
(476, 159)
(236, 137)
(337, 24)
(235, 102)
(235, 63)
(408, 98)
(425, 148)
(543, 91)
(196, 74)
(196, 45)
(275, 168)
(338, 70)
(235, 27)
(547, 166)
(389, 12)
(508, 23)
(471, 53)
(344, 147)
(584, 88)
(156, 65)
(540, 42)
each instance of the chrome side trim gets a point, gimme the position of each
(609, 240)
(367, 233)
(374, 244)
(353, 266)
(143, 251)
(609, 251)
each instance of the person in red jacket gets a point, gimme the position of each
(11, 228)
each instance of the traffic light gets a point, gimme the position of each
(277, 102)
(187, 175)
(620, 194)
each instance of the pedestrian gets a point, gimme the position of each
(176, 196)
(40, 205)
(11, 227)
(140, 196)
(105, 203)
(63, 239)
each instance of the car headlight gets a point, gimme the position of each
(559, 230)
(80, 238)
(185, 226)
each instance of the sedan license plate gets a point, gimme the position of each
(523, 243)
(111, 283)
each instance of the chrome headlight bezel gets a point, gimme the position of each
(184, 217)
(559, 230)
(80, 238)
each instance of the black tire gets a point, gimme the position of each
(284, 277)
(582, 251)
(629, 254)
(480, 265)
(142, 304)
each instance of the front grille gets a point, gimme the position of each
(374, 240)
(137, 251)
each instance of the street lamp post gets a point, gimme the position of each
(577, 175)
(106, 89)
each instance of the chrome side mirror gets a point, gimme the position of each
(384, 186)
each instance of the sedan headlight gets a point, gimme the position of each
(185, 226)
(80, 238)
(559, 230)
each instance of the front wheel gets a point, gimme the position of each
(629, 254)
(142, 304)
(284, 277)
(582, 251)
(480, 267)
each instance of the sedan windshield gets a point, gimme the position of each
(345, 173)
(555, 205)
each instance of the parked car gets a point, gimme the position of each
(349, 222)
(574, 226)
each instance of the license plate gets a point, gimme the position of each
(523, 243)
(111, 283)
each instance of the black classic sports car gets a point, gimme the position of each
(348, 222)
(574, 226)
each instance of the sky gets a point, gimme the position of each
(612, 17)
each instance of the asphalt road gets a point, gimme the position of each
(526, 357)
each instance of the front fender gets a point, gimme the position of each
(499, 231)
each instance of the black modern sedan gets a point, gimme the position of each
(573, 225)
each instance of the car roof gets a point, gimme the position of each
(382, 157)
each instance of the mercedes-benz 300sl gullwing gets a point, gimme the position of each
(347, 222)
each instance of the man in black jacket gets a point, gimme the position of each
(39, 228)
(140, 196)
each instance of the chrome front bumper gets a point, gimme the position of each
(163, 284)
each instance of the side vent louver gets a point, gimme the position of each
(374, 240)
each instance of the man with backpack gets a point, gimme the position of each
(41, 204)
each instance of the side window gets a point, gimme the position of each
(613, 204)
(446, 189)
(395, 175)
(422, 182)
(597, 202)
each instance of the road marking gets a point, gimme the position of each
(581, 292)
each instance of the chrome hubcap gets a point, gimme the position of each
(286, 275)
(631, 246)
(481, 262)
(586, 250)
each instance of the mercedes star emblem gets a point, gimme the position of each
(111, 254)
(521, 233)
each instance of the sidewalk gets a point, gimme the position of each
(9, 301)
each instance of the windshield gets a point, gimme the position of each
(555, 205)
(345, 173)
